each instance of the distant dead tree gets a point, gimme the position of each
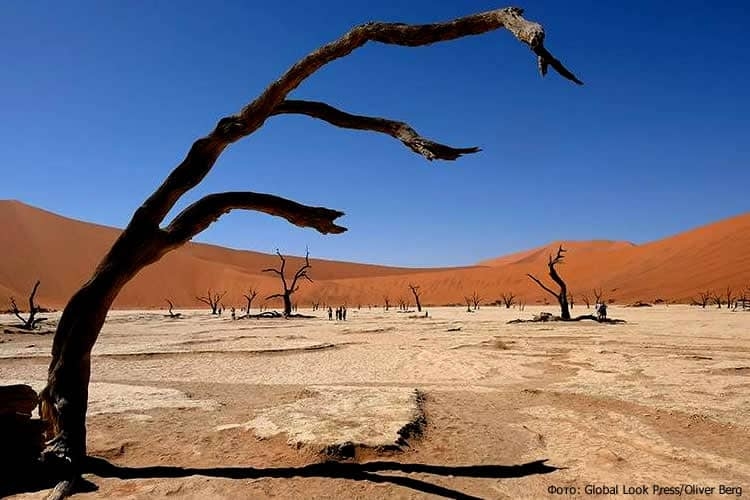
(249, 296)
(32, 321)
(703, 299)
(586, 300)
(289, 289)
(717, 299)
(508, 299)
(744, 301)
(148, 237)
(172, 314)
(468, 304)
(415, 290)
(598, 296)
(562, 296)
(476, 300)
(212, 300)
(570, 300)
(728, 297)
(387, 302)
(401, 304)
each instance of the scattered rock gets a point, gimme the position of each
(335, 420)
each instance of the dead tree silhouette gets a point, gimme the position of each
(508, 299)
(288, 290)
(703, 299)
(598, 296)
(476, 300)
(728, 295)
(562, 296)
(468, 304)
(586, 300)
(145, 239)
(172, 314)
(31, 321)
(415, 290)
(249, 296)
(212, 300)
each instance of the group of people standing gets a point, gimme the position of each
(340, 313)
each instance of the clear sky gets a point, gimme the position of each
(100, 99)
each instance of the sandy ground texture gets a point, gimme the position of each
(391, 405)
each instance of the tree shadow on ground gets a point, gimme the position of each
(370, 471)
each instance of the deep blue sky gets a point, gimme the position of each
(100, 100)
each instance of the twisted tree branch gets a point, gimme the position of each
(555, 294)
(553, 272)
(396, 129)
(208, 209)
(302, 272)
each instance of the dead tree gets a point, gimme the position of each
(32, 321)
(562, 296)
(598, 296)
(703, 299)
(417, 293)
(148, 237)
(172, 314)
(586, 300)
(743, 300)
(289, 289)
(249, 296)
(402, 306)
(728, 297)
(212, 300)
(508, 299)
(475, 300)
(468, 304)
(717, 298)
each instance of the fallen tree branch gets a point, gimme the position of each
(546, 317)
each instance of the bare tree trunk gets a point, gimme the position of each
(64, 401)
(415, 291)
(562, 296)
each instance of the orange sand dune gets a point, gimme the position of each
(62, 253)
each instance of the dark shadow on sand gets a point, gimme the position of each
(369, 471)
(335, 470)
